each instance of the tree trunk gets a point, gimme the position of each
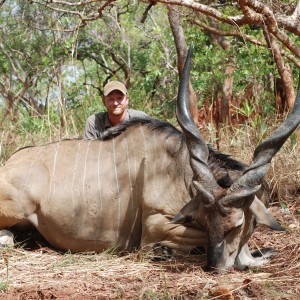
(224, 116)
(181, 49)
(61, 103)
(284, 71)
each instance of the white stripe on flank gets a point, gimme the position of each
(38, 154)
(131, 198)
(118, 188)
(99, 187)
(83, 181)
(74, 177)
(128, 162)
(165, 157)
(52, 177)
(145, 146)
(155, 155)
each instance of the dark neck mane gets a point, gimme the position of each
(151, 124)
(216, 158)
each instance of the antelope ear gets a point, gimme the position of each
(263, 216)
(188, 213)
(205, 195)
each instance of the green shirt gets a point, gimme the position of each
(96, 124)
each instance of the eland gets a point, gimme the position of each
(144, 184)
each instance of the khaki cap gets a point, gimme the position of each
(114, 85)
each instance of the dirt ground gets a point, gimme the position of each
(35, 271)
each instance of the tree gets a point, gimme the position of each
(29, 56)
(132, 42)
(276, 19)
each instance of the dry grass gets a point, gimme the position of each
(46, 274)
(41, 273)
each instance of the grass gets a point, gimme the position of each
(4, 286)
(130, 277)
(4, 283)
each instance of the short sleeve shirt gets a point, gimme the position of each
(96, 124)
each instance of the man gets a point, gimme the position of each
(116, 101)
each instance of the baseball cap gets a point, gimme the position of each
(114, 85)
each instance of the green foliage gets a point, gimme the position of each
(4, 286)
(38, 124)
(246, 110)
(293, 138)
(65, 71)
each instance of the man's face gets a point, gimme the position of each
(116, 102)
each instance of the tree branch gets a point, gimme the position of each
(228, 33)
(253, 12)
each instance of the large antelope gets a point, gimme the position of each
(144, 184)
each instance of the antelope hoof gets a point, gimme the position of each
(6, 238)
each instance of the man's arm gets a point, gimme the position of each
(90, 130)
